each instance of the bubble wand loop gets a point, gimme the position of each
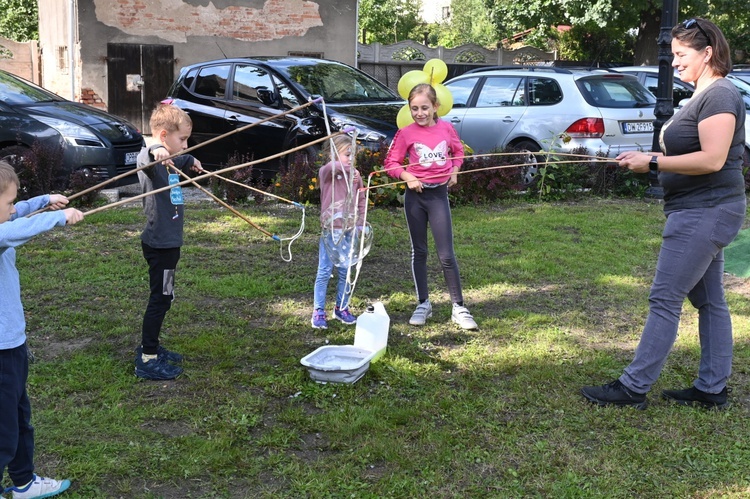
(212, 174)
(295, 203)
(185, 151)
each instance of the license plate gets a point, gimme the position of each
(131, 157)
(638, 126)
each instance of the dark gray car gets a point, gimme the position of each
(226, 94)
(35, 121)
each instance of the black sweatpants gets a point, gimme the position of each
(162, 263)
(432, 206)
(16, 432)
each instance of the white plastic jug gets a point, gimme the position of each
(371, 332)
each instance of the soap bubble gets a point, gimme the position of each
(346, 240)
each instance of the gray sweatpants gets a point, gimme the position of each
(691, 264)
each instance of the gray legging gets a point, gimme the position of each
(431, 205)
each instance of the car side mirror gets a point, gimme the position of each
(682, 103)
(266, 96)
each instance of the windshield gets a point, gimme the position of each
(338, 83)
(14, 90)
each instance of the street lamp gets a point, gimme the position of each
(664, 104)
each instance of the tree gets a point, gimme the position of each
(609, 21)
(388, 21)
(19, 20)
(468, 23)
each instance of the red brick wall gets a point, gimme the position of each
(88, 96)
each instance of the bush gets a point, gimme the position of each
(383, 191)
(38, 170)
(484, 182)
(298, 181)
(79, 182)
(233, 193)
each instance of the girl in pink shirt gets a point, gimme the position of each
(435, 155)
(335, 179)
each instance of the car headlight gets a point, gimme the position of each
(75, 135)
(364, 134)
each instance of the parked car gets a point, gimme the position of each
(742, 71)
(225, 94)
(34, 121)
(681, 90)
(537, 108)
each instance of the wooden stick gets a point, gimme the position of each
(214, 173)
(225, 205)
(185, 151)
(497, 167)
(256, 190)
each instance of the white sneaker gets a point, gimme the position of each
(38, 488)
(462, 317)
(421, 314)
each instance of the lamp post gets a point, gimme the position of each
(664, 104)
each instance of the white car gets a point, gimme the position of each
(649, 77)
(547, 108)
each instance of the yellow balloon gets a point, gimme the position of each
(437, 70)
(445, 99)
(410, 80)
(403, 118)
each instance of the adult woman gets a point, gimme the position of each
(700, 169)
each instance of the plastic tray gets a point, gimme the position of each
(337, 363)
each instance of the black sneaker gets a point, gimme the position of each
(173, 357)
(156, 369)
(693, 396)
(614, 393)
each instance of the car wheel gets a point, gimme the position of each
(530, 170)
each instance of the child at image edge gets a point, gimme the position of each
(332, 193)
(162, 237)
(435, 155)
(16, 432)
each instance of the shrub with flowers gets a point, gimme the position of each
(298, 181)
(384, 190)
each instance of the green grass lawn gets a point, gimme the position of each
(560, 295)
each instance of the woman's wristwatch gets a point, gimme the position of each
(653, 165)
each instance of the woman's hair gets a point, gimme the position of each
(698, 33)
(429, 91)
(339, 142)
(7, 176)
(169, 118)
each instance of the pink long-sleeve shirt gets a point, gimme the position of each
(340, 188)
(434, 152)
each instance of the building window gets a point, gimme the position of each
(446, 12)
(62, 59)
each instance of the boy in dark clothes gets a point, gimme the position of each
(162, 237)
